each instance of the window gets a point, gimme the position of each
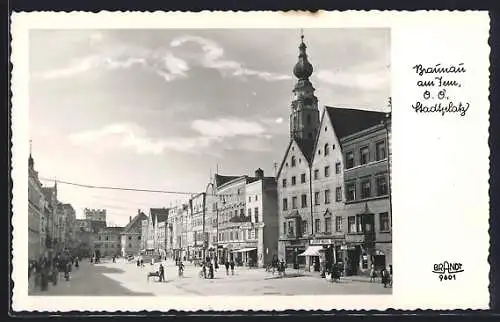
(316, 174)
(290, 228)
(380, 150)
(317, 224)
(337, 168)
(303, 178)
(338, 224)
(365, 189)
(283, 184)
(304, 227)
(231, 236)
(285, 204)
(328, 225)
(294, 202)
(351, 224)
(294, 181)
(236, 213)
(256, 214)
(250, 212)
(350, 191)
(327, 149)
(242, 212)
(364, 155)
(316, 198)
(359, 223)
(381, 186)
(349, 160)
(304, 201)
(319, 152)
(293, 161)
(338, 194)
(129, 237)
(327, 171)
(250, 198)
(327, 196)
(384, 222)
(256, 198)
(284, 228)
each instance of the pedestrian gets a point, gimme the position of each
(227, 267)
(76, 262)
(204, 269)
(162, 273)
(211, 271)
(385, 277)
(390, 275)
(373, 274)
(216, 263)
(232, 266)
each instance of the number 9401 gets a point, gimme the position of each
(443, 277)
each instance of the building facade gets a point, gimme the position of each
(262, 208)
(334, 198)
(131, 236)
(36, 207)
(108, 242)
(197, 239)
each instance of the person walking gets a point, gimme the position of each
(232, 266)
(385, 277)
(162, 273)
(390, 275)
(227, 267)
(373, 274)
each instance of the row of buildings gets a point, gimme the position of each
(51, 223)
(330, 201)
(235, 218)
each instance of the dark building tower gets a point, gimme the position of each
(304, 117)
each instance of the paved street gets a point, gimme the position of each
(121, 278)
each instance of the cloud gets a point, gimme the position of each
(227, 128)
(161, 62)
(213, 58)
(132, 137)
(371, 78)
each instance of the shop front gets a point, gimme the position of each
(246, 256)
(329, 253)
(292, 258)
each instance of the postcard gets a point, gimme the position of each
(250, 161)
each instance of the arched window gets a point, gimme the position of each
(327, 150)
(293, 161)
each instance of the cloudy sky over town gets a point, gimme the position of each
(159, 109)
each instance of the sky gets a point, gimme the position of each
(163, 109)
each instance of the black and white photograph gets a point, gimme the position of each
(209, 162)
(195, 162)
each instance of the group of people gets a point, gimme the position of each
(45, 270)
(385, 274)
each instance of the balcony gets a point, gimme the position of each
(237, 219)
(360, 237)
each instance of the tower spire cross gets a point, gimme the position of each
(31, 146)
(302, 34)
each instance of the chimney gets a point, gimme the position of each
(130, 219)
(138, 211)
(259, 173)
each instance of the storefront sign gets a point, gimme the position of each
(321, 242)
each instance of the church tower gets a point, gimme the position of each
(304, 117)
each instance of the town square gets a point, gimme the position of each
(192, 167)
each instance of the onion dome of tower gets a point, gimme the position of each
(303, 69)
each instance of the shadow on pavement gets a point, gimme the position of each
(90, 282)
(292, 275)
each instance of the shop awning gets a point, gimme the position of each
(244, 250)
(312, 251)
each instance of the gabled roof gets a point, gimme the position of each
(220, 180)
(159, 214)
(347, 121)
(306, 146)
(138, 218)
